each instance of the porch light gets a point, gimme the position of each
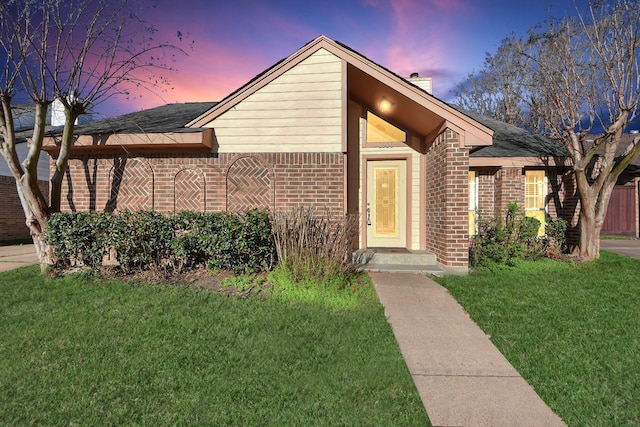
(386, 104)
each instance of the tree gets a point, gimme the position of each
(80, 52)
(575, 73)
(496, 90)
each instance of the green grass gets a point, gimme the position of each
(572, 331)
(86, 351)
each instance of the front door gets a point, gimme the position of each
(386, 207)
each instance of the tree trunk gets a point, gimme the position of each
(593, 209)
(589, 244)
(36, 213)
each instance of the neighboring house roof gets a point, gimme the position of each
(24, 119)
(22, 149)
(24, 116)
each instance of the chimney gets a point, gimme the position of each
(423, 83)
(58, 118)
(57, 113)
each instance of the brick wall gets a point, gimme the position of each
(486, 192)
(447, 200)
(509, 188)
(205, 182)
(12, 220)
(499, 187)
(562, 201)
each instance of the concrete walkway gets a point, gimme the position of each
(461, 376)
(626, 247)
(17, 256)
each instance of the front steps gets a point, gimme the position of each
(397, 261)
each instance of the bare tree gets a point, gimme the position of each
(496, 90)
(80, 52)
(576, 73)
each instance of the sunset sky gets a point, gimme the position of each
(238, 39)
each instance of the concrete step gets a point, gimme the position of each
(432, 270)
(419, 262)
(394, 257)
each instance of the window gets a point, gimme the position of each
(473, 203)
(535, 194)
(380, 131)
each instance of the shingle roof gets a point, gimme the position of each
(512, 141)
(163, 119)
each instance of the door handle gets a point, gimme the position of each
(368, 214)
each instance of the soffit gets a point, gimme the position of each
(404, 112)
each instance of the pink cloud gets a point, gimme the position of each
(423, 35)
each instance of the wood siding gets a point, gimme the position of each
(300, 111)
(621, 214)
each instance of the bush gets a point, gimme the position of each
(313, 245)
(79, 238)
(506, 241)
(148, 240)
(142, 240)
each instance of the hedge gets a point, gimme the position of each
(149, 240)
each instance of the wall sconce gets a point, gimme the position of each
(386, 104)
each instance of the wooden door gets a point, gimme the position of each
(386, 212)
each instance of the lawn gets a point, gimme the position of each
(572, 331)
(86, 351)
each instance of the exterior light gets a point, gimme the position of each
(385, 104)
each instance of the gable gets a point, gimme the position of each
(300, 110)
(414, 109)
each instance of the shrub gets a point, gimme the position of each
(148, 240)
(241, 242)
(505, 241)
(79, 238)
(555, 238)
(142, 240)
(314, 245)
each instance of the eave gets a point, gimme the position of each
(201, 140)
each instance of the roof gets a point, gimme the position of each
(414, 109)
(22, 149)
(158, 128)
(513, 141)
(164, 119)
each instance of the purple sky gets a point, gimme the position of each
(237, 39)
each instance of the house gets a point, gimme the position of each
(12, 219)
(329, 128)
(529, 169)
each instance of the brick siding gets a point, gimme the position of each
(12, 220)
(562, 201)
(509, 189)
(486, 192)
(447, 200)
(205, 182)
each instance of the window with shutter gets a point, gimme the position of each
(535, 194)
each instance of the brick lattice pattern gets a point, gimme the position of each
(297, 179)
(130, 185)
(189, 192)
(248, 185)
